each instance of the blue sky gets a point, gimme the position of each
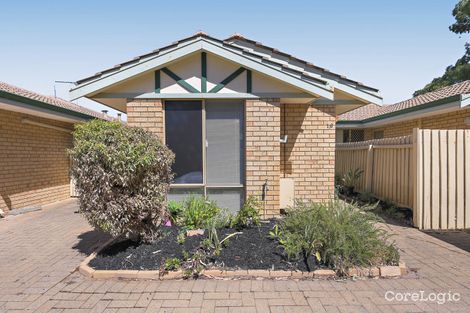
(397, 46)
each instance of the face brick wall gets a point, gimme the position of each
(452, 120)
(147, 114)
(308, 157)
(263, 121)
(34, 162)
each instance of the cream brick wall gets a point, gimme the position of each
(452, 120)
(309, 155)
(263, 158)
(147, 114)
(34, 164)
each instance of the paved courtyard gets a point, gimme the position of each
(40, 251)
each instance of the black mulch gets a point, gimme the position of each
(253, 249)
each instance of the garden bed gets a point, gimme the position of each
(252, 249)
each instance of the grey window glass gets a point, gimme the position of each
(183, 130)
(181, 194)
(228, 198)
(225, 144)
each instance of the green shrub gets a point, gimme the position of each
(174, 209)
(336, 234)
(351, 178)
(122, 176)
(248, 215)
(197, 211)
(172, 264)
(220, 220)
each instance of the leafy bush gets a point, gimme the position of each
(174, 208)
(122, 177)
(197, 211)
(248, 215)
(172, 264)
(336, 234)
(220, 220)
(351, 178)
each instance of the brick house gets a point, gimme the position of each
(446, 108)
(35, 132)
(242, 118)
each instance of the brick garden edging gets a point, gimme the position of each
(373, 272)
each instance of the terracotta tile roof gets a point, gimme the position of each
(57, 102)
(372, 110)
(306, 71)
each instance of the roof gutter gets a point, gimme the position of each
(440, 106)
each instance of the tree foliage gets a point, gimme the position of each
(460, 71)
(122, 176)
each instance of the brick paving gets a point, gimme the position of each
(40, 251)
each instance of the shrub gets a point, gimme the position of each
(337, 234)
(248, 215)
(196, 211)
(350, 179)
(174, 209)
(122, 177)
(172, 264)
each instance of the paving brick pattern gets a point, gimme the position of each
(40, 251)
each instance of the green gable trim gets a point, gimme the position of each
(249, 83)
(227, 80)
(428, 105)
(43, 105)
(203, 72)
(157, 81)
(180, 81)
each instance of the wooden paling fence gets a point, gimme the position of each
(428, 172)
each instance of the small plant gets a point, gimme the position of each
(174, 208)
(248, 215)
(350, 180)
(172, 264)
(181, 238)
(186, 255)
(220, 220)
(336, 234)
(194, 265)
(212, 241)
(275, 233)
(196, 211)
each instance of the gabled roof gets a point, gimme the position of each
(440, 96)
(55, 104)
(246, 52)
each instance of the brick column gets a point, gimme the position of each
(309, 155)
(148, 114)
(263, 123)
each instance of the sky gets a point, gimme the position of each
(396, 46)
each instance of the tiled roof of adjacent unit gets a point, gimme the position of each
(373, 110)
(273, 57)
(57, 102)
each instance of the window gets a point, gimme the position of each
(215, 168)
(183, 128)
(353, 135)
(378, 134)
